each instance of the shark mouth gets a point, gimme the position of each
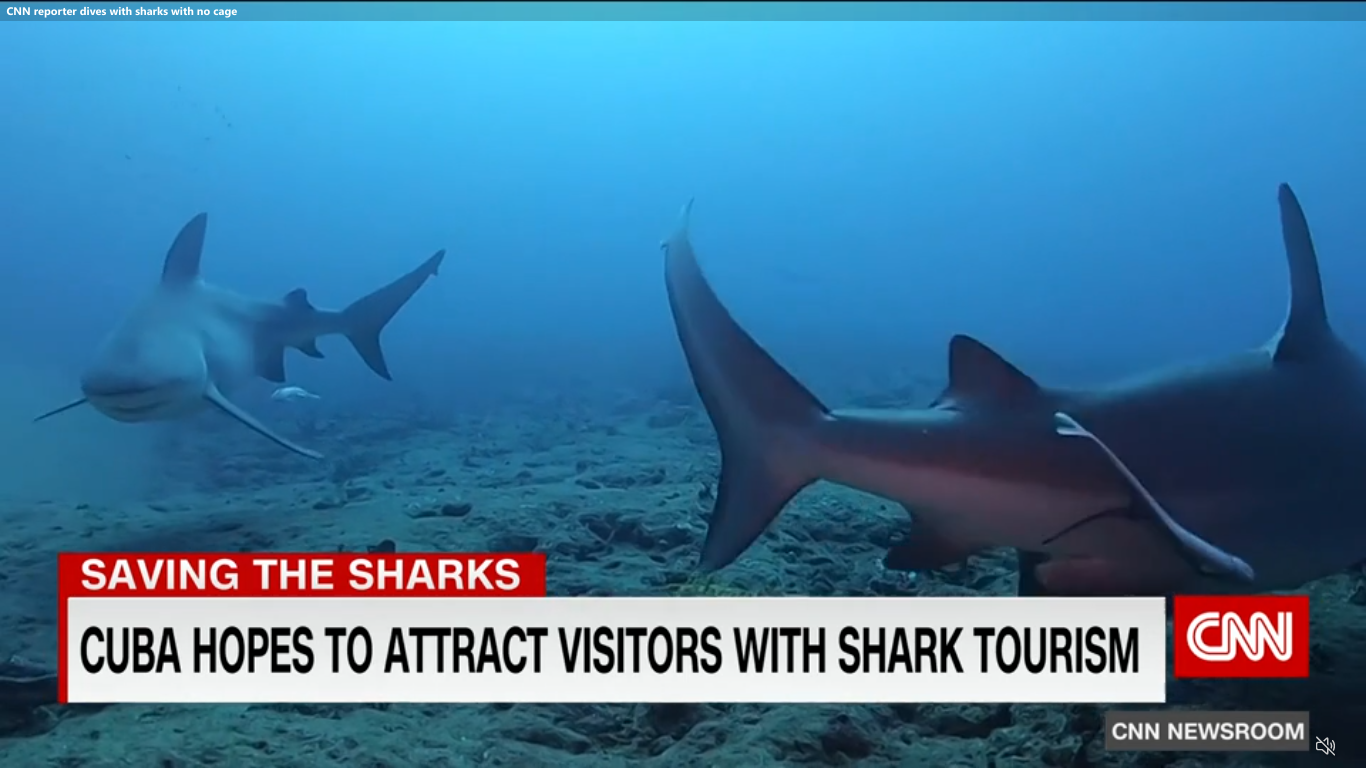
(125, 392)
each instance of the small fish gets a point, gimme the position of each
(286, 394)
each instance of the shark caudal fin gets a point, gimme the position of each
(761, 414)
(367, 316)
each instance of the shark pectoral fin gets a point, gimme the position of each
(1203, 556)
(228, 407)
(62, 409)
(270, 363)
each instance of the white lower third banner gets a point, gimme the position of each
(612, 650)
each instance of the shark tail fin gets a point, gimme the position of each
(762, 415)
(365, 319)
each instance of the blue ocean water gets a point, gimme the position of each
(1093, 198)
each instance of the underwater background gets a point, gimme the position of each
(1092, 199)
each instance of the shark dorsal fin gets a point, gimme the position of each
(1306, 328)
(978, 374)
(298, 299)
(680, 231)
(182, 261)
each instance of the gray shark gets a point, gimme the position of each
(188, 344)
(1243, 474)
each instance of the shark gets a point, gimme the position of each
(1241, 474)
(188, 344)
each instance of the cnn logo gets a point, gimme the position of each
(1241, 636)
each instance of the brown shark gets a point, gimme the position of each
(1242, 474)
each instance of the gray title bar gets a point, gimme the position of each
(1178, 730)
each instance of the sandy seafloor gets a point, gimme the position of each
(616, 499)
